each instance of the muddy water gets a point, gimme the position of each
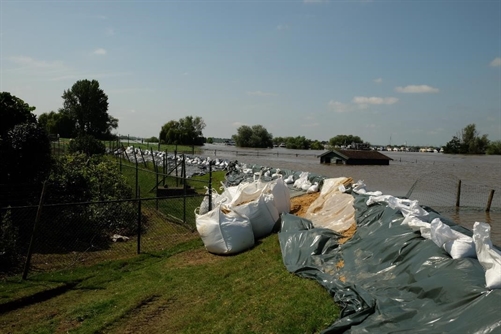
(435, 178)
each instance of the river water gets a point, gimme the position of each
(434, 178)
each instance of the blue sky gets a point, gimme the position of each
(413, 71)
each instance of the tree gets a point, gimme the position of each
(255, 136)
(468, 141)
(58, 123)
(25, 146)
(494, 147)
(344, 140)
(87, 106)
(14, 111)
(186, 131)
(86, 144)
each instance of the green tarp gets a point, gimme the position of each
(388, 278)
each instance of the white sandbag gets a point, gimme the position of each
(360, 188)
(303, 177)
(262, 215)
(216, 200)
(406, 206)
(228, 192)
(249, 191)
(417, 224)
(455, 243)
(281, 195)
(332, 209)
(225, 232)
(488, 256)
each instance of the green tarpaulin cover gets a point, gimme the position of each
(388, 278)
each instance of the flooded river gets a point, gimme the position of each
(434, 178)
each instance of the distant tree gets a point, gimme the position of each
(299, 142)
(494, 148)
(87, 105)
(255, 136)
(210, 140)
(58, 123)
(186, 131)
(316, 145)
(468, 141)
(346, 140)
(152, 140)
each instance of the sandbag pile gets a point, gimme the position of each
(458, 245)
(333, 209)
(241, 214)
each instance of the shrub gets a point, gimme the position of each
(86, 144)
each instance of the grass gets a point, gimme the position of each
(182, 290)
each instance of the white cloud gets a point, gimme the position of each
(310, 125)
(237, 124)
(31, 62)
(416, 89)
(362, 100)
(99, 52)
(339, 107)
(260, 93)
(132, 110)
(378, 80)
(283, 27)
(496, 62)
(110, 32)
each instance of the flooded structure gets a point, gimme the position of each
(354, 157)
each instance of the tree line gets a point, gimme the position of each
(469, 141)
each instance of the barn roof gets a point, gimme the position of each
(358, 155)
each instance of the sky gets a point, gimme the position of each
(391, 72)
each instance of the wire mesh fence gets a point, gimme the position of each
(69, 235)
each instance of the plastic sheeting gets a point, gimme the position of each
(388, 278)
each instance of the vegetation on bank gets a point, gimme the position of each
(182, 290)
(469, 141)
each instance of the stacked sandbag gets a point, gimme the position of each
(333, 209)
(250, 206)
(225, 231)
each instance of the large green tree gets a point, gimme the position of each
(255, 136)
(87, 105)
(468, 141)
(58, 123)
(344, 140)
(24, 145)
(186, 131)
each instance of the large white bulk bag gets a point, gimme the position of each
(281, 195)
(262, 214)
(488, 256)
(225, 231)
(249, 191)
(455, 243)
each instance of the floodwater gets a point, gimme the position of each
(434, 178)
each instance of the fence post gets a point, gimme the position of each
(489, 201)
(137, 172)
(37, 219)
(139, 225)
(142, 156)
(210, 187)
(458, 194)
(184, 189)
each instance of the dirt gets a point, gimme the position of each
(300, 204)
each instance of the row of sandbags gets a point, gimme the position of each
(456, 244)
(241, 214)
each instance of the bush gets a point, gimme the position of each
(78, 178)
(86, 144)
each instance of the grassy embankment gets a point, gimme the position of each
(182, 289)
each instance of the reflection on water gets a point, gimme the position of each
(437, 174)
